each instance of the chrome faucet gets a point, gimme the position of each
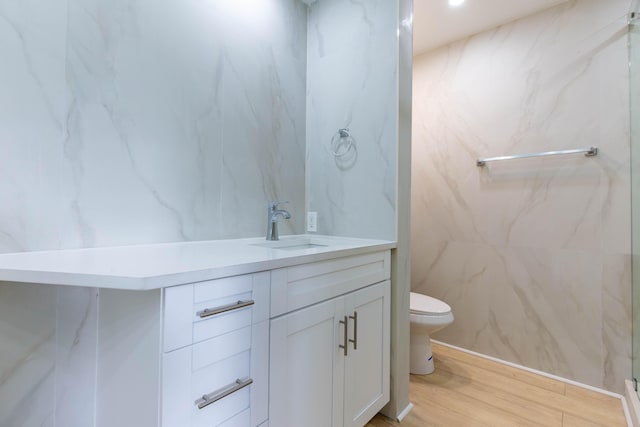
(272, 219)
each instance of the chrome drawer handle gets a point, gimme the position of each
(355, 330)
(213, 311)
(346, 333)
(210, 398)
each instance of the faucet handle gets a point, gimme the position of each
(274, 205)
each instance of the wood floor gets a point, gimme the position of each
(467, 390)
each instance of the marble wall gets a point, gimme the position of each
(532, 255)
(352, 82)
(132, 122)
(634, 77)
(127, 122)
(188, 115)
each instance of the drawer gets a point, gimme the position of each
(200, 311)
(231, 369)
(302, 285)
(243, 419)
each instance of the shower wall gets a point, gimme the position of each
(133, 122)
(533, 255)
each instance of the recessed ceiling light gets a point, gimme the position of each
(455, 3)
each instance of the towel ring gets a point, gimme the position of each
(342, 143)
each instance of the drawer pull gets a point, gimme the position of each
(346, 334)
(355, 330)
(213, 311)
(210, 398)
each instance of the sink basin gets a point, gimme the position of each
(292, 244)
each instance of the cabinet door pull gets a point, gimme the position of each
(355, 330)
(210, 398)
(346, 333)
(213, 311)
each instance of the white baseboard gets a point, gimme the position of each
(405, 412)
(533, 371)
(632, 407)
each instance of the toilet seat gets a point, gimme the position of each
(426, 305)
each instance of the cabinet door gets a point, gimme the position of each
(367, 363)
(306, 367)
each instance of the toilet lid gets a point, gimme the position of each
(423, 304)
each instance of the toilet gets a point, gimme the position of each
(427, 315)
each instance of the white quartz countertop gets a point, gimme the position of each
(145, 267)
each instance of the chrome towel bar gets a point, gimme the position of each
(589, 152)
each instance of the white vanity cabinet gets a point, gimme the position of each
(329, 351)
(229, 333)
(216, 348)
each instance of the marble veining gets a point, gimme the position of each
(617, 324)
(126, 123)
(27, 365)
(352, 82)
(264, 119)
(33, 39)
(76, 345)
(127, 128)
(196, 147)
(533, 255)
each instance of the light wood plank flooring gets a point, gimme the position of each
(467, 390)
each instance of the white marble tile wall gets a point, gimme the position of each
(264, 73)
(133, 122)
(76, 347)
(634, 61)
(352, 83)
(32, 118)
(32, 127)
(48, 363)
(532, 255)
(184, 119)
(27, 365)
(130, 123)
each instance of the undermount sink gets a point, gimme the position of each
(292, 243)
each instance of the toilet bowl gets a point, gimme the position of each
(427, 315)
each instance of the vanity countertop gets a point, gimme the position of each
(145, 267)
